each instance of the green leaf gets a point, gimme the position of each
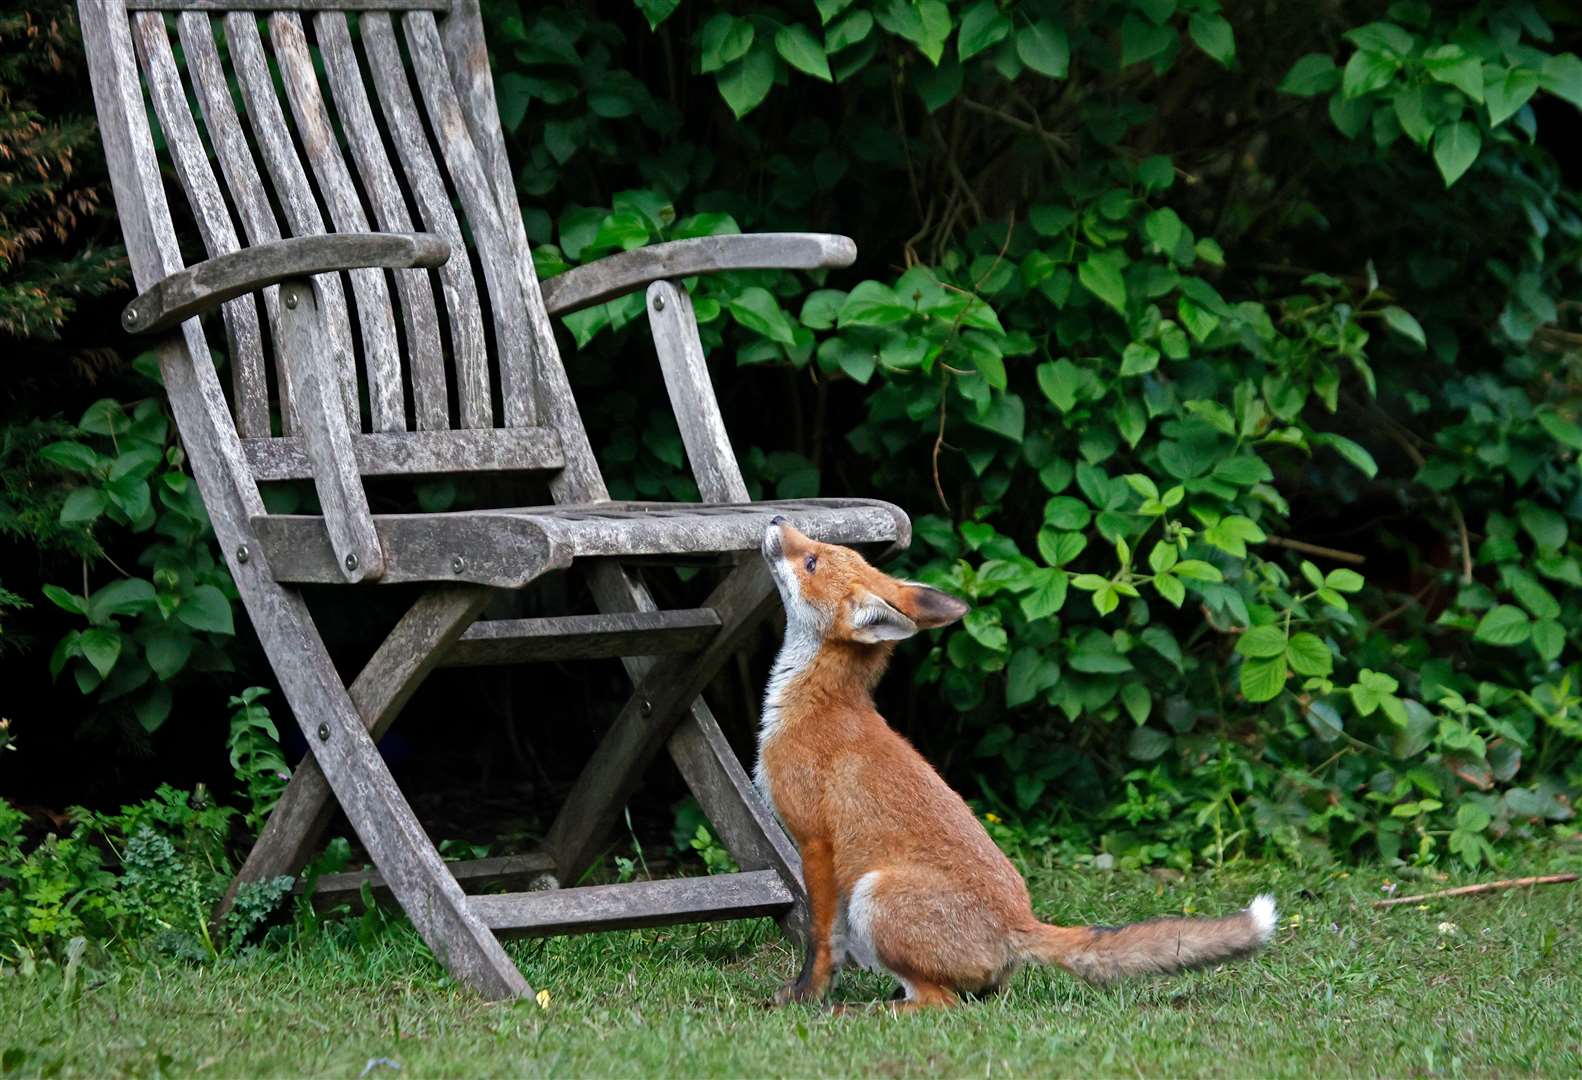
(1534, 597)
(1163, 556)
(723, 39)
(1138, 701)
(983, 626)
(1560, 428)
(1169, 586)
(1067, 513)
(1308, 655)
(71, 455)
(152, 708)
(1059, 548)
(1141, 40)
(1199, 322)
(1263, 679)
(1101, 278)
(873, 303)
(745, 83)
(821, 308)
(1147, 744)
(1351, 451)
(1047, 597)
(167, 650)
(1060, 382)
(65, 600)
(82, 506)
(1561, 75)
(1261, 642)
(1505, 95)
(983, 25)
(1096, 655)
(798, 47)
(657, 11)
(1139, 359)
(101, 647)
(1411, 111)
(1366, 72)
(1454, 66)
(1456, 147)
(1344, 580)
(1504, 625)
(1029, 674)
(206, 608)
(1404, 324)
(849, 31)
(125, 597)
(1547, 528)
(1044, 48)
(1313, 74)
(1164, 228)
(1213, 35)
(1549, 638)
(1197, 570)
(757, 309)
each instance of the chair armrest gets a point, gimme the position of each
(206, 285)
(612, 276)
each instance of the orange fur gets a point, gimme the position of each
(901, 876)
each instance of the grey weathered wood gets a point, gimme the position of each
(375, 316)
(482, 547)
(477, 196)
(424, 355)
(387, 682)
(616, 275)
(273, 137)
(250, 389)
(206, 285)
(242, 181)
(417, 452)
(348, 524)
(663, 694)
(635, 903)
(404, 124)
(291, 5)
(473, 875)
(584, 637)
(737, 811)
(579, 480)
(361, 782)
(697, 410)
(509, 548)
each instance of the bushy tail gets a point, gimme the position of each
(1158, 946)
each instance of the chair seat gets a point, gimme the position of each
(509, 548)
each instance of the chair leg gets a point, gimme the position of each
(666, 690)
(745, 824)
(350, 764)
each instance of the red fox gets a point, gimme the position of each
(901, 876)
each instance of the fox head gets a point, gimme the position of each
(832, 593)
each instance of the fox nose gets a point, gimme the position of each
(778, 519)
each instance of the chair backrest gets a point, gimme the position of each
(289, 118)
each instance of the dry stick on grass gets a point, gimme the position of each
(1486, 887)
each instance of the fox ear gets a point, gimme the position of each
(873, 620)
(931, 608)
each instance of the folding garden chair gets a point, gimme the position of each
(365, 253)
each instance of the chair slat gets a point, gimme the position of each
(250, 388)
(242, 180)
(375, 316)
(425, 359)
(293, 5)
(416, 452)
(742, 895)
(478, 199)
(405, 125)
(268, 124)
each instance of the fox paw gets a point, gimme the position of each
(796, 990)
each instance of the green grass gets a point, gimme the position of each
(1345, 989)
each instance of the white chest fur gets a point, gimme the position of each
(801, 645)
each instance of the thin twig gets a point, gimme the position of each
(1466, 543)
(939, 441)
(1208, 617)
(1486, 887)
(1317, 549)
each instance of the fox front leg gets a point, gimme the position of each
(818, 969)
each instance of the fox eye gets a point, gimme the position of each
(811, 562)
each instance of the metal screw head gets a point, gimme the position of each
(351, 560)
(646, 707)
(291, 299)
(324, 733)
(242, 554)
(457, 564)
(129, 316)
(659, 303)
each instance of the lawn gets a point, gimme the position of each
(1479, 985)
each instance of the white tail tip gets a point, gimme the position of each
(1264, 915)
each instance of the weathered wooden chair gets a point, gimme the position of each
(407, 353)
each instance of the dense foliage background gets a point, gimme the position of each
(1229, 361)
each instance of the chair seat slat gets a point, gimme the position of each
(416, 453)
